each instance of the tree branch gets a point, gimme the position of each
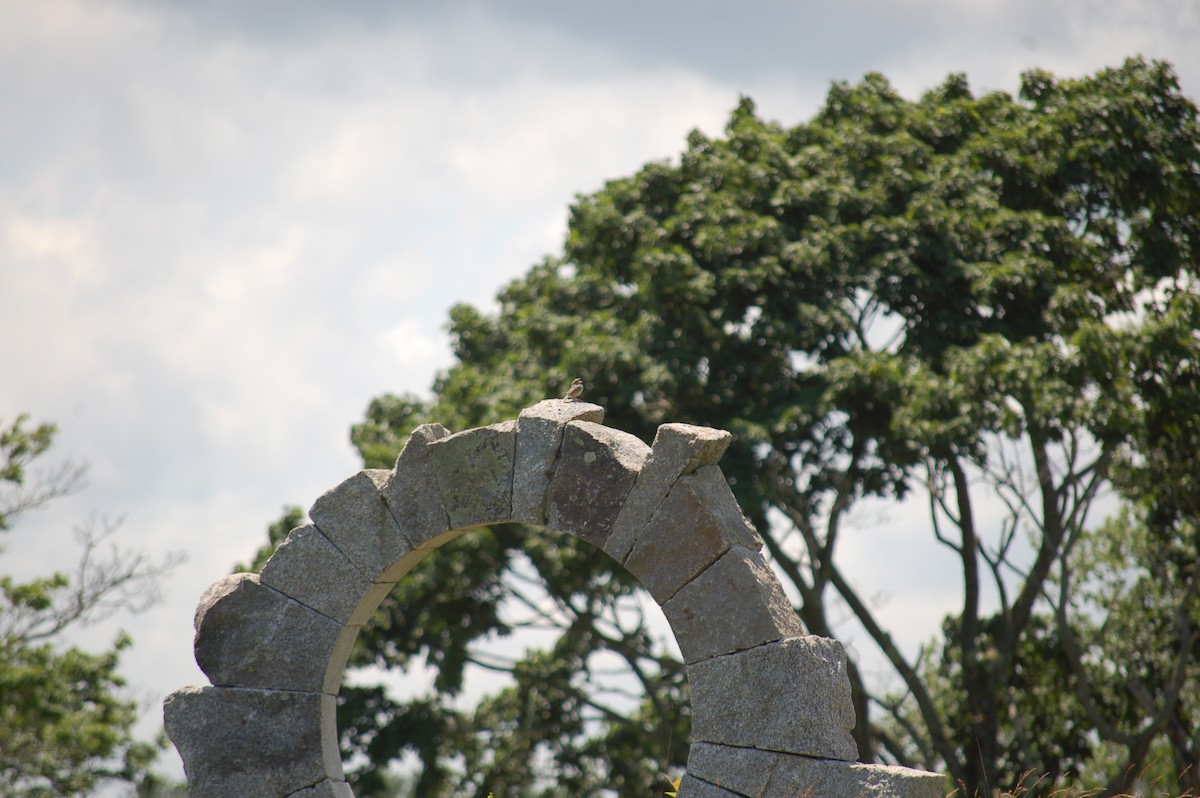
(929, 713)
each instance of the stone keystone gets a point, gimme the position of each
(734, 604)
(474, 472)
(791, 696)
(596, 469)
(678, 449)
(248, 635)
(262, 743)
(697, 523)
(539, 434)
(354, 517)
(412, 490)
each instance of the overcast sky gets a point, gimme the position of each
(226, 226)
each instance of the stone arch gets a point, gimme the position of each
(771, 706)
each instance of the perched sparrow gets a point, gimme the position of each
(576, 389)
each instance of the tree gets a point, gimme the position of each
(64, 725)
(962, 298)
(1142, 567)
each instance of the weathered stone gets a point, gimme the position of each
(265, 743)
(539, 434)
(375, 593)
(678, 449)
(792, 695)
(474, 472)
(734, 604)
(597, 467)
(770, 774)
(696, 523)
(336, 664)
(249, 635)
(326, 789)
(402, 566)
(800, 776)
(354, 517)
(411, 492)
(692, 787)
(771, 712)
(310, 569)
(746, 771)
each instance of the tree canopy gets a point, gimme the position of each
(986, 302)
(66, 721)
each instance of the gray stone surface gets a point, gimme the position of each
(474, 472)
(770, 774)
(696, 523)
(402, 566)
(692, 787)
(771, 711)
(326, 789)
(792, 695)
(826, 777)
(354, 517)
(261, 743)
(411, 491)
(678, 449)
(374, 594)
(734, 604)
(249, 635)
(336, 664)
(310, 569)
(597, 467)
(539, 435)
(746, 771)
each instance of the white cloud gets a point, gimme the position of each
(53, 244)
(410, 345)
(223, 230)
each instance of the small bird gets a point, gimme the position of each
(576, 390)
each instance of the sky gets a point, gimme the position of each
(226, 226)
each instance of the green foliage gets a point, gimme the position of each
(456, 600)
(988, 299)
(65, 725)
(291, 518)
(19, 446)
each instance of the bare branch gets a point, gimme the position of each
(1140, 739)
(895, 708)
(906, 671)
(108, 579)
(496, 662)
(938, 508)
(17, 498)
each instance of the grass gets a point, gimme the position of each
(1032, 785)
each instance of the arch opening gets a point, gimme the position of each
(539, 700)
(765, 697)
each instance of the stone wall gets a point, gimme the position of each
(771, 705)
